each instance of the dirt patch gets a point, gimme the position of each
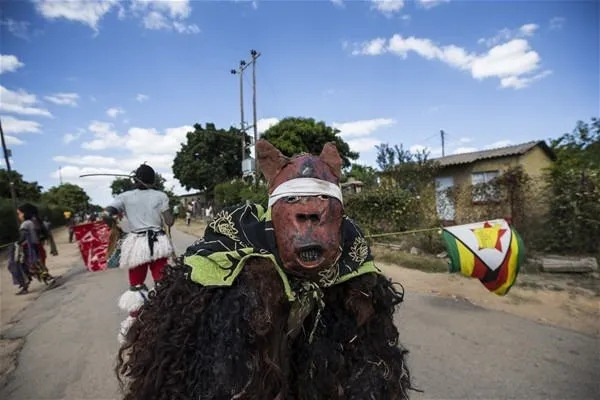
(9, 351)
(541, 298)
(11, 305)
(195, 228)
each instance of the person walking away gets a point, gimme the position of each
(188, 214)
(146, 246)
(33, 255)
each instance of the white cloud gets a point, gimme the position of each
(113, 112)
(506, 34)
(67, 99)
(9, 63)
(183, 28)
(265, 123)
(12, 125)
(71, 137)
(431, 3)
(167, 15)
(464, 150)
(86, 12)
(13, 141)
(557, 23)
(465, 140)
(362, 127)
(373, 47)
(387, 7)
(363, 145)
(19, 29)
(513, 62)
(141, 97)
(498, 144)
(137, 140)
(520, 83)
(105, 136)
(142, 145)
(339, 3)
(155, 14)
(20, 102)
(156, 20)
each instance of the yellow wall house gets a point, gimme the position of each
(481, 167)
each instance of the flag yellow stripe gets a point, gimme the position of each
(467, 259)
(512, 266)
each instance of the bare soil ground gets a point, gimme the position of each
(567, 300)
(11, 304)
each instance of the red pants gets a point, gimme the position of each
(137, 275)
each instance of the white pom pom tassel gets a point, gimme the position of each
(133, 300)
(125, 325)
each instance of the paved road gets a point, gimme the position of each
(458, 350)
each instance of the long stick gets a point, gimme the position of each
(123, 175)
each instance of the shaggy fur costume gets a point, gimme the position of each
(195, 342)
(270, 305)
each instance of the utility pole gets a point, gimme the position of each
(254, 55)
(443, 134)
(60, 174)
(240, 71)
(11, 184)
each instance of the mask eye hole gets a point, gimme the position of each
(292, 199)
(323, 197)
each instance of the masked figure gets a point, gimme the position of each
(282, 303)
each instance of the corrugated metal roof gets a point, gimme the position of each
(467, 158)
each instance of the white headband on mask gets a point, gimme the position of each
(305, 187)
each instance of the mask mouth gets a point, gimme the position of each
(310, 256)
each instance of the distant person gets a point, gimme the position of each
(70, 221)
(176, 211)
(146, 246)
(33, 255)
(188, 214)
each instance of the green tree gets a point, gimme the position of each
(208, 157)
(67, 195)
(24, 190)
(405, 169)
(573, 224)
(297, 135)
(367, 175)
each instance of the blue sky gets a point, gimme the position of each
(101, 86)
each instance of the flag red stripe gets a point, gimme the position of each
(502, 275)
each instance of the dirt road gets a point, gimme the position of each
(458, 350)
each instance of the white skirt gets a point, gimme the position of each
(135, 250)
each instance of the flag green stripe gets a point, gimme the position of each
(452, 249)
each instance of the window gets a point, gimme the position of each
(483, 191)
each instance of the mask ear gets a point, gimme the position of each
(331, 157)
(270, 160)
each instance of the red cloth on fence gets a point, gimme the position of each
(93, 238)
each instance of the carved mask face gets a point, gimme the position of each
(307, 228)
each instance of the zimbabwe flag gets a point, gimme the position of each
(491, 251)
